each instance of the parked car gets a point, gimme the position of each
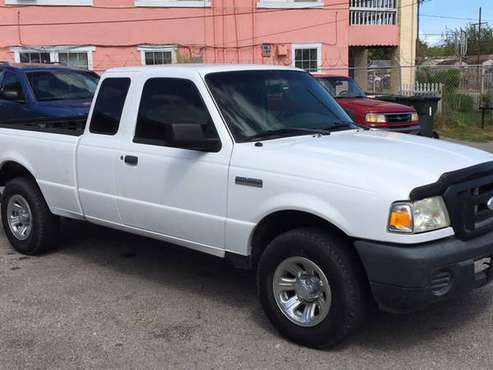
(44, 91)
(259, 165)
(370, 112)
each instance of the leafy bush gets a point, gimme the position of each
(450, 78)
(460, 103)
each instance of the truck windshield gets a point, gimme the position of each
(265, 104)
(63, 85)
(342, 87)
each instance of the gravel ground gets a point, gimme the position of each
(107, 299)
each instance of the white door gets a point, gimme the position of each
(99, 153)
(169, 190)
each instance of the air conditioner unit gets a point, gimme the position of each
(282, 51)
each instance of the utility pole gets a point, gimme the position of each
(418, 44)
(479, 24)
(478, 39)
(479, 35)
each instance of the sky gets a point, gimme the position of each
(432, 27)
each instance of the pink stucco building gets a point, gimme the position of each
(99, 34)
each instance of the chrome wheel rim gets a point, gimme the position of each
(302, 291)
(19, 217)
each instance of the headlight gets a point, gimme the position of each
(424, 215)
(414, 117)
(375, 118)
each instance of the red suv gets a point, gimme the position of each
(370, 112)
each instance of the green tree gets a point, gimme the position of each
(448, 45)
(472, 33)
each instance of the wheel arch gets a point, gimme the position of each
(10, 169)
(281, 221)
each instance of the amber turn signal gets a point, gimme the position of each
(401, 218)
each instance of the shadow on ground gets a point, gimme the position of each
(208, 276)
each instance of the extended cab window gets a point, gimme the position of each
(167, 101)
(109, 106)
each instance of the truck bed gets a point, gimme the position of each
(46, 148)
(73, 126)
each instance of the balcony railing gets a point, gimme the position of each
(373, 12)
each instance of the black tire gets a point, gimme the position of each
(345, 276)
(45, 226)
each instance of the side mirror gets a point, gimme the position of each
(12, 95)
(191, 136)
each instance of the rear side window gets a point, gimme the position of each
(167, 101)
(109, 106)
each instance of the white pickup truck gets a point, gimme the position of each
(259, 165)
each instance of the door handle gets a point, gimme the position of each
(131, 160)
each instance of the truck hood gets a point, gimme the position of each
(373, 106)
(374, 161)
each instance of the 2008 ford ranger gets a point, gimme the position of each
(258, 164)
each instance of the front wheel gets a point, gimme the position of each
(28, 223)
(312, 287)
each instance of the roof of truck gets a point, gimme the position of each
(202, 68)
(41, 66)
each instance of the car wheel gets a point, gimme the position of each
(28, 223)
(312, 287)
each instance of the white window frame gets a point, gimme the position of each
(289, 4)
(54, 50)
(159, 49)
(174, 3)
(50, 2)
(317, 46)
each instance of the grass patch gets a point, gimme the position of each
(465, 126)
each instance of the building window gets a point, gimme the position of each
(307, 56)
(77, 60)
(50, 2)
(35, 57)
(174, 3)
(72, 57)
(153, 55)
(290, 4)
(158, 57)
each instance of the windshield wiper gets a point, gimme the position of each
(284, 132)
(335, 126)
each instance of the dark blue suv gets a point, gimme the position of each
(42, 91)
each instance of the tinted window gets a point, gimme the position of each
(167, 101)
(109, 106)
(258, 102)
(63, 85)
(11, 82)
(342, 87)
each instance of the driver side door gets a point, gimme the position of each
(168, 189)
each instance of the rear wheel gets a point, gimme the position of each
(312, 288)
(28, 223)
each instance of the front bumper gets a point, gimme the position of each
(413, 130)
(407, 278)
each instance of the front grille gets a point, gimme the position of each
(398, 117)
(399, 127)
(468, 207)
